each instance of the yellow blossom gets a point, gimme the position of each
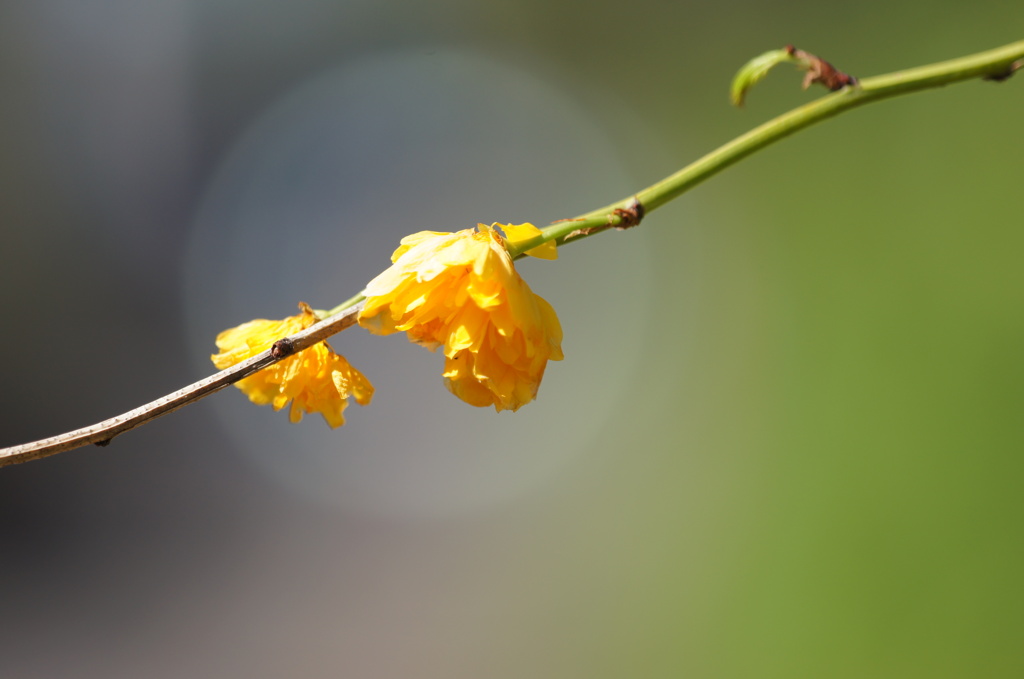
(313, 380)
(461, 291)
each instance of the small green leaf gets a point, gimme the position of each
(754, 71)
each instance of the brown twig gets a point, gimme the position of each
(102, 433)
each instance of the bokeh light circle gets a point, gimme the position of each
(309, 203)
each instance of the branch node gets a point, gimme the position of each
(282, 348)
(629, 216)
(1010, 70)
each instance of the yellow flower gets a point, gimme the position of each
(313, 380)
(460, 291)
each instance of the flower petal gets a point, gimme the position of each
(313, 380)
(461, 291)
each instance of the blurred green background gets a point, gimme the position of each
(786, 439)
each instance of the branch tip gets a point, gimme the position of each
(817, 71)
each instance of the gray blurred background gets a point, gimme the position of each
(786, 439)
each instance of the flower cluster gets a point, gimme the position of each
(313, 380)
(460, 291)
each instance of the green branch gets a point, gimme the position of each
(995, 64)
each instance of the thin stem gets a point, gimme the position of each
(102, 433)
(991, 64)
(347, 304)
(994, 64)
